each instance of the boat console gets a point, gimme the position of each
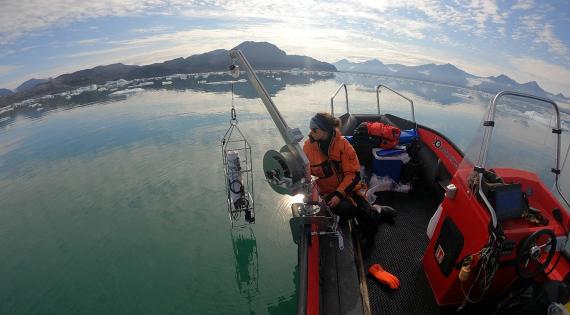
(499, 228)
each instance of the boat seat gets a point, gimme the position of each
(349, 122)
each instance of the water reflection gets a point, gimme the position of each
(273, 81)
(286, 305)
(440, 93)
(244, 247)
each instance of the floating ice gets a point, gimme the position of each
(6, 109)
(224, 82)
(128, 91)
(143, 84)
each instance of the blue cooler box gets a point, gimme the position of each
(388, 162)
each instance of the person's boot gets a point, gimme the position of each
(385, 211)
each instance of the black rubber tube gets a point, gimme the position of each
(303, 270)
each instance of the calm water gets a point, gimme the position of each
(116, 205)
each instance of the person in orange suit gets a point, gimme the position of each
(334, 162)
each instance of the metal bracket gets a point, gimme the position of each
(323, 224)
(295, 135)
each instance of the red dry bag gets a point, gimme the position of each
(389, 135)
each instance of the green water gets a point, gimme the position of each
(117, 205)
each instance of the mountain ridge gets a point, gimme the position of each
(262, 56)
(448, 74)
(6, 92)
(266, 56)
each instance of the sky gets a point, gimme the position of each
(524, 39)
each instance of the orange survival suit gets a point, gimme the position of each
(338, 173)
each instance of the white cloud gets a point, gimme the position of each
(153, 29)
(18, 18)
(540, 32)
(96, 52)
(555, 45)
(523, 5)
(88, 41)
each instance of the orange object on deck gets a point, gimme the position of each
(384, 276)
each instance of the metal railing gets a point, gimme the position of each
(334, 95)
(397, 93)
(489, 123)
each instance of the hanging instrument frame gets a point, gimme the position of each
(234, 141)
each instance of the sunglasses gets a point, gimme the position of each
(314, 129)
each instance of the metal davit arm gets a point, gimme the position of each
(292, 137)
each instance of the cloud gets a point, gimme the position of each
(153, 29)
(18, 18)
(555, 45)
(8, 68)
(88, 41)
(542, 33)
(96, 52)
(523, 5)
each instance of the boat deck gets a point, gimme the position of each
(399, 247)
(340, 290)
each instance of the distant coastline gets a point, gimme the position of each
(447, 74)
(263, 56)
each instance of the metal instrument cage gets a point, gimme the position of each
(234, 140)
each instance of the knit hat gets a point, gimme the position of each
(320, 121)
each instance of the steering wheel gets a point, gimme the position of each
(535, 253)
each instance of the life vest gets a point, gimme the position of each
(389, 135)
(339, 171)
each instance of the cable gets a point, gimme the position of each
(486, 268)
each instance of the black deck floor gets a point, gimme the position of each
(399, 247)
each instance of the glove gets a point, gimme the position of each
(383, 276)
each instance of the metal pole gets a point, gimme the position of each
(292, 137)
(490, 123)
(397, 93)
(345, 95)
